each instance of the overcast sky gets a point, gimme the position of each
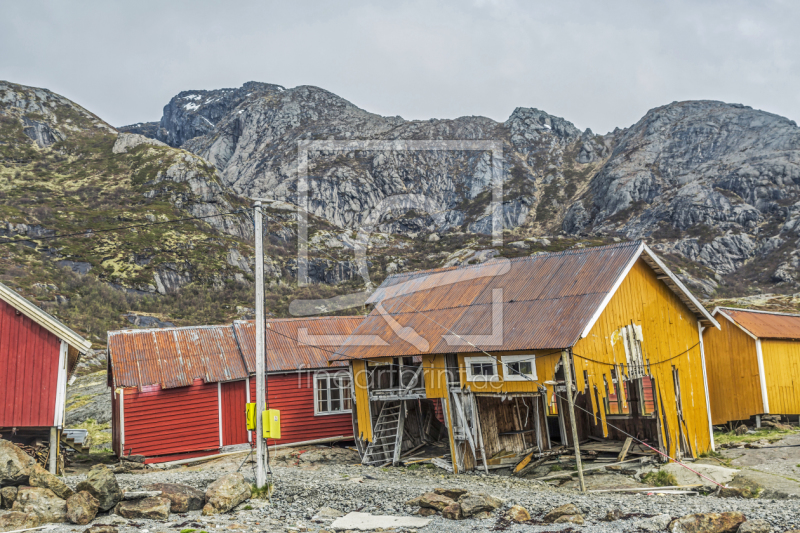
(599, 64)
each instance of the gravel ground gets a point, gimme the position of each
(300, 491)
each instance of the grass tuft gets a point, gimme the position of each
(662, 478)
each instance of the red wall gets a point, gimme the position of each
(293, 395)
(28, 371)
(171, 421)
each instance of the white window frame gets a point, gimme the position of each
(508, 376)
(345, 392)
(468, 361)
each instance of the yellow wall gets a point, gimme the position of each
(362, 399)
(434, 375)
(669, 328)
(734, 386)
(782, 371)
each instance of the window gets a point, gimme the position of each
(615, 404)
(332, 394)
(481, 369)
(616, 396)
(519, 367)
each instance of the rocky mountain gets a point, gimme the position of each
(713, 186)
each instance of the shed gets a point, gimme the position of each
(492, 339)
(181, 392)
(753, 364)
(38, 354)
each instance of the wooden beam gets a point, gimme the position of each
(625, 448)
(575, 441)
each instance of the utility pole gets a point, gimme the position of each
(261, 473)
(565, 358)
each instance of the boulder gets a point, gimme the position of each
(453, 494)
(453, 512)
(426, 511)
(741, 430)
(474, 503)
(569, 509)
(15, 465)
(147, 508)
(8, 495)
(707, 523)
(736, 492)
(655, 523)
(102, 484)
(569, 519)
(518, 513)
(755, 526)
(720, 474)
(101, 529)
(431, 500)
(183, 497)
(15, 520)
(40, 477)
(82, 508)
(226, 493)
(414, 502)
(42, 502)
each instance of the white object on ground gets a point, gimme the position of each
(366, 521)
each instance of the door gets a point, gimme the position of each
(233, 397)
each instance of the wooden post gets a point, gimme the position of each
(568, 380)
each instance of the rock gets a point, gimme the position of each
(127, 141)
(42, 502)
(736, 492)
(15, 520)
(720, 474)
(8, 495)
(474, 503)
(453, 512)
(101, 529)
(569, 519)
(569, 509)
(101, 483)
(433, 238)
(183, 497)
(426, 511)
(226, 493)
(522, 245)
(435, 501)
(148, 508)
(327, 513)
(655, 523)
(140, 494)
(453, 494)
(40, 477)
(15, 465)
(755, 526)
(613, 515)
(741, 430)
(414, 502)
(82, 508)
(707, 523)
(517, 513)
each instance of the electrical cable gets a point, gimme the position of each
(90, 232)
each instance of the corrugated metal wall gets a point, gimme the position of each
(28, 371)
(171, 421)
(293, 395)
(734, 386)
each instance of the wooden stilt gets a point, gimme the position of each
(568, 380)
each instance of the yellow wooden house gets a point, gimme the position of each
(481, 348)
(753, 364)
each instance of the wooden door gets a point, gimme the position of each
(233, 397)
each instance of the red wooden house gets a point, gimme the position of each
(37, 356)
(181, 392)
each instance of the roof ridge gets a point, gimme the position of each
(174, 328)
(541, 255)
(778, 313)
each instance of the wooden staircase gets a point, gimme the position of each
(77, 439)
(387, 435)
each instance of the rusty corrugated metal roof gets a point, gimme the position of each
(547, 300)
(174, 357)
(764, 324)
(296, 343)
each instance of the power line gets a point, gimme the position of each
(91, 231)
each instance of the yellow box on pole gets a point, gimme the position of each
(271, 423)
(250, 414)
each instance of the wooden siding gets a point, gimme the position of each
(360, 384)
(29, 357)
(293, 395)
(782, 371)
(671, 340)
(435, 377)
(171, 421)
(734, 386)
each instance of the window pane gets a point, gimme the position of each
(336, 404)
(322, 395)
(483, 369)
(520, 368)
